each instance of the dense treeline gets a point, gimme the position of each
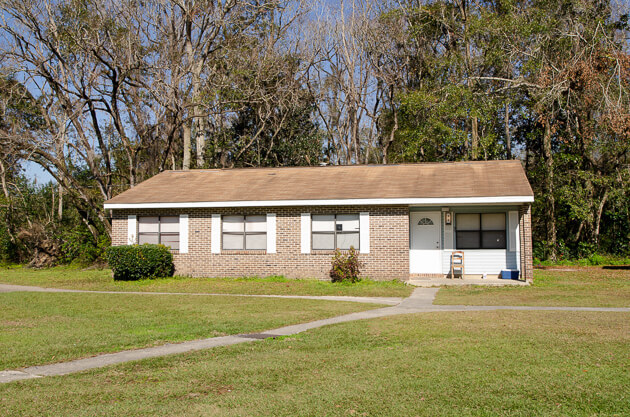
(104, 94)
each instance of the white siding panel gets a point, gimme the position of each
(183, 233)
(364, 232)
(514, 244)
(215, 234)
(131, 229)
(271, 232)
(306, 232)
(483, 261)
(448, 236)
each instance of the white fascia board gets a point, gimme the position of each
(343, 202)
(471, 200)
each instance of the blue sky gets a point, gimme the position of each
(35, 172)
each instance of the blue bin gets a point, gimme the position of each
(509, 274)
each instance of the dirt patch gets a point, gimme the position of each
(573, 268)
(15, 324)
(559, 268)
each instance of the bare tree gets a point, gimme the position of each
(121, 84)
(344, 83)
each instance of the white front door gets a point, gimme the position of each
(425, 256)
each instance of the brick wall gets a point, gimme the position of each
(388, 257)
(527, 252)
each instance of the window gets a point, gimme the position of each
(480, 231)
(244, 232)
(330, 231)
(159, 230)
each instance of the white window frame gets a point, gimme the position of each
(245, 233)
(481, 231)
(335, 232)
(160, 233)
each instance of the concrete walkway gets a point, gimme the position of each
(369, 300)
(450, 282)
(421, 300)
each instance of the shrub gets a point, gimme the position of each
(134, 262)
(345, 267)
(78, 245)
(596, 259)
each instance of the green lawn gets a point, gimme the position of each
(94, 279)
(39, 328)
(588, 287)
(501, 363)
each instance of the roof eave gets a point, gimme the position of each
(431, 201)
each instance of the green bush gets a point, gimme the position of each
(596, 259)
(78, 245)
(345, 267)
(593, 260)
(134, 262)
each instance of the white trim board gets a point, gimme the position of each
(271, 232)
(183, 233)
(215, 234)
(305, 233)
(364, 232)
(339, 202)
(132, 229)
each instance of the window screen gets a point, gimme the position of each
(480, 231)
(159, 230)
(244, 232)
(330, 231)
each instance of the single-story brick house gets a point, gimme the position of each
(405, 220)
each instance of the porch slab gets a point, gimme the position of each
(490, 282)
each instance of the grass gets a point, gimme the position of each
(94, 279)
(39, 328)
(587, 287)
(502, 363)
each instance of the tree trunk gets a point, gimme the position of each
(60, 202)
(199, 119)
(598, 219)
(474, 121)
(3, 180)
(61, 141)
(52, 202)
(133, 168)
(200, 139)
(355, 137)
(548, 187)
(474, 128)
(392, 134)
(508, 136)
(187, 151)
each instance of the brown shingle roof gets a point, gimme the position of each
(427, 180)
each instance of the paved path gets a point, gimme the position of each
(370, 300)
(451, 282)
(421, 300)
